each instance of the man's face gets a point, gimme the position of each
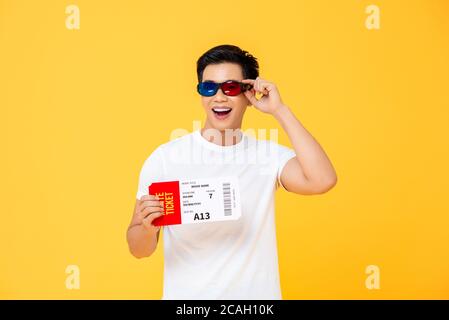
(237, 104)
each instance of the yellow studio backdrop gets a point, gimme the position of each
(82, 107)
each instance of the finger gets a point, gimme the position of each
(152, 209)
(144, 214)
(260, 86)
(151, 203)
(149, 210)
(256, 84)
(155, 203)
(250, 81)
(263, 86)
(149, 220)
(149, 197)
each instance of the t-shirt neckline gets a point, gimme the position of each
(225, 149)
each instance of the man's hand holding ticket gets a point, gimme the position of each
(197, 200)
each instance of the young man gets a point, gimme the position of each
(228, 259)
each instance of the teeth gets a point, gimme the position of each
(221, 109)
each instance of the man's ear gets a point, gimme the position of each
(249, 103)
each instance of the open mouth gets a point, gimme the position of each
(221, 111)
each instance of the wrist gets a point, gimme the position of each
(280, 111)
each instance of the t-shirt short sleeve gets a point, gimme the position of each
(283, 155)
(151, 171)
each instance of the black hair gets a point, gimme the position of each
(229, 53)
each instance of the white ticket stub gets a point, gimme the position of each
(198, 200)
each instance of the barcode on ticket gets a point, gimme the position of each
(227, 199)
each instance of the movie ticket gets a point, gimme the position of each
(198, 200)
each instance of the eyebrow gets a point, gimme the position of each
(221, 81)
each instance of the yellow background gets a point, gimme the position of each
(82, 109)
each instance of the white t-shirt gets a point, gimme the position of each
(228, 259)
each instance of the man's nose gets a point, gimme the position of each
(220, 96)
